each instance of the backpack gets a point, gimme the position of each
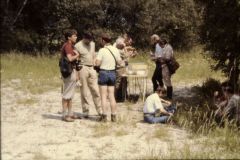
(65, 67)
(173, 65)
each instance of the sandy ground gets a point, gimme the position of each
(34, 130)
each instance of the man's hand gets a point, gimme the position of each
(76, 53)
(153, 58)
(170, 114)
(216, 93)
(151, 53)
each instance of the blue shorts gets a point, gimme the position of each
(107, 78)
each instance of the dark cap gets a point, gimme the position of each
(87, 35)
(106, 37)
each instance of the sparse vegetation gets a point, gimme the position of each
(36, 75)
(162, 133)
(101, 130)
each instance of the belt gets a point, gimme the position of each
(88, 65)
(148, 114)
(107, 70)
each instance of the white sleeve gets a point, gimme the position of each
(100, 55)
(118, 57)
(158, 103)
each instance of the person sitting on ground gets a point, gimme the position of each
(154, 111)
(231, 111)
(228, 109)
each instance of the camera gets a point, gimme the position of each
(78, 65)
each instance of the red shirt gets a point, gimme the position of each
(67, 48)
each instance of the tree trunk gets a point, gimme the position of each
(234, 74)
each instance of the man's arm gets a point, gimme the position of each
(69, 51)
(98, 59)
(98, 62)
(160, 108)
(165, 101)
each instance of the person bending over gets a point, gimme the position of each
(154, 111)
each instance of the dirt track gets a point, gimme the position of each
(34, 130)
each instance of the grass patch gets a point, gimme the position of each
(36, 73)
(204, 149)
(121, 132)
(162, 133)
(194, 66)
(101, 130)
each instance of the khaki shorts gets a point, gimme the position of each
(69, 86)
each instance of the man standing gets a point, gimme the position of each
(167, 54)
(88, 76)
(121, 81)
(157, 75)
(70, 81)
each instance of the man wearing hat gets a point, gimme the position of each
(88, 76)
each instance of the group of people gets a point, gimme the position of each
(156, 109)
(111, 61)
(108, 83)
(163, 53)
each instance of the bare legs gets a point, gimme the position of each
(108, 91)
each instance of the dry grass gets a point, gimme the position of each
(36, 74)
(102, 130)
(162, 133)
(194, 66)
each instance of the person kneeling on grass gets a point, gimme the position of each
(154, 111)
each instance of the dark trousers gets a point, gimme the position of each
(157, 77)
(121, 90)
(120, 86)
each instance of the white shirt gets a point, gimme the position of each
(152, 103)
(158, 51)
(106, 58)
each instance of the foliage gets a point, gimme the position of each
(41, 22)
(220, 33)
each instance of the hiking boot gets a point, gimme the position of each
(68, 119)
(74, 116)
(113, 118)
(103, 118)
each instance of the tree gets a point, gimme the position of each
(38, 25)
(221, 35)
